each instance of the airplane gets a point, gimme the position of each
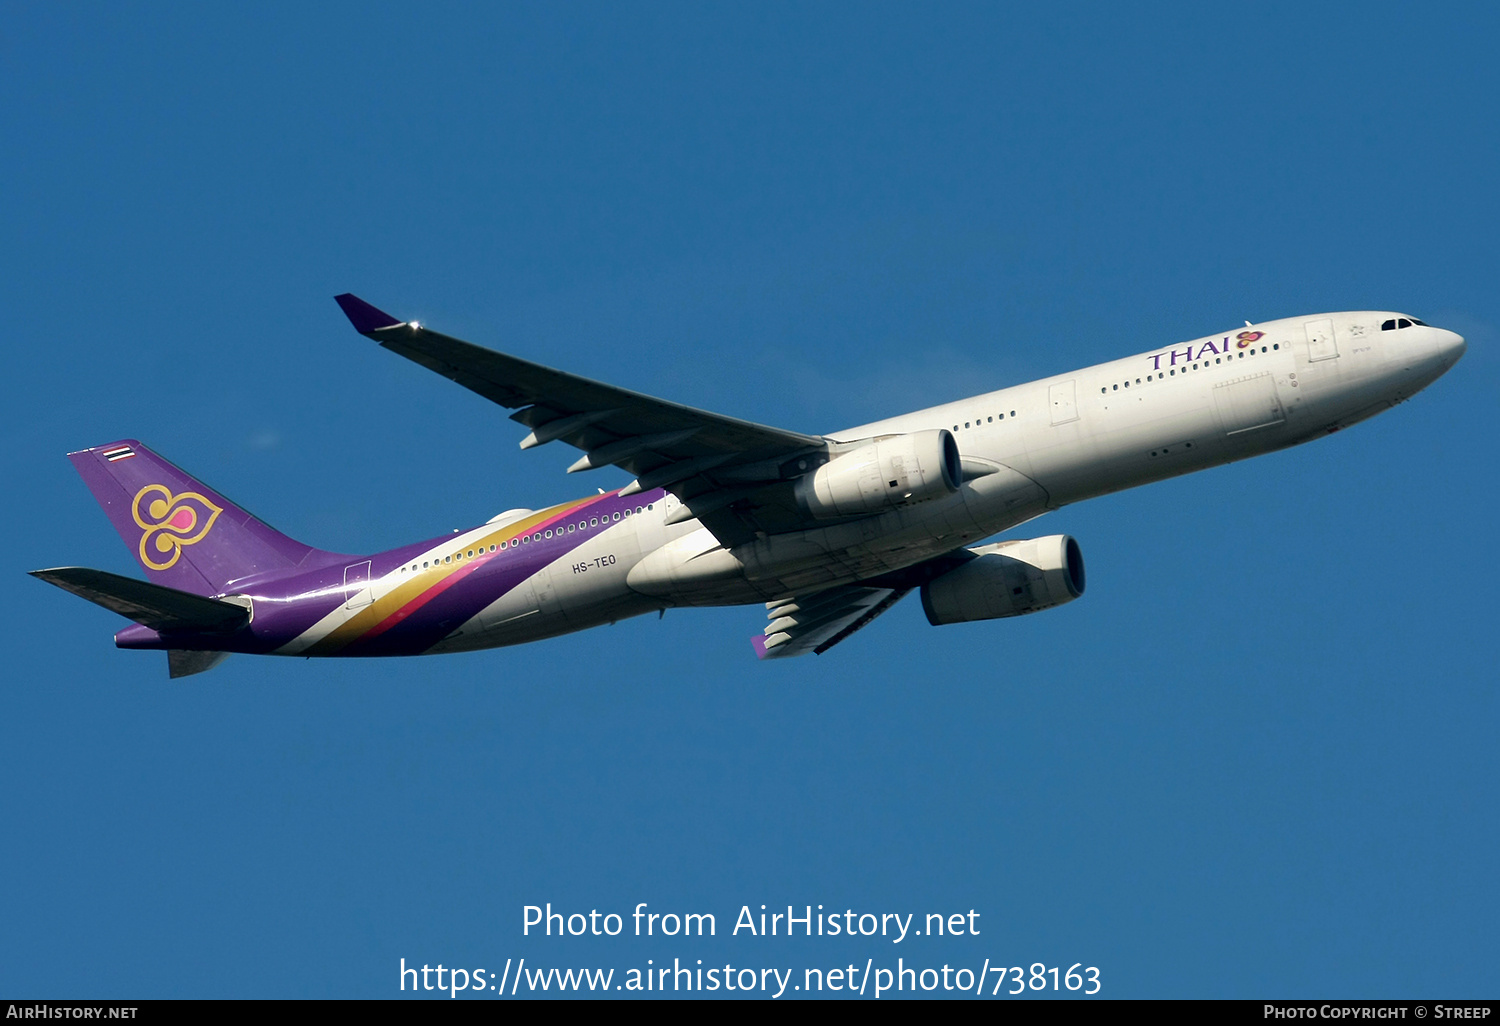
(828, 531)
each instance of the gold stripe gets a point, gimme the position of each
(377, 612)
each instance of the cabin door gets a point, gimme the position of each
(1062, 399)
(1321, 345)
(357, 592)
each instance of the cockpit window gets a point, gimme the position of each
(1421, 323)
(1389, 325)
(1401, 322)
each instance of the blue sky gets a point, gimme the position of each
(1256, 759)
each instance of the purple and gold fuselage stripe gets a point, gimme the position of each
(411, 595)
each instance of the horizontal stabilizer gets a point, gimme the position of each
(158, 607)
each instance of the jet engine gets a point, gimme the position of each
(895, 470)
(1007, 579)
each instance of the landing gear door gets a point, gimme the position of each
(1321, 345)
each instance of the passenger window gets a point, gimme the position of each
(593, 521)
(617, 516)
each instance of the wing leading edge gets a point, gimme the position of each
(732, 475)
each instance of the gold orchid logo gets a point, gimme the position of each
(170, 522)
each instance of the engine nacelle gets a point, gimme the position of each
(1007, 579)
(892, 471)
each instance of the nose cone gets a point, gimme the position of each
(1450, 346)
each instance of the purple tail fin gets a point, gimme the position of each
(186, 535)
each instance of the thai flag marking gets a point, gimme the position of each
(123, 452)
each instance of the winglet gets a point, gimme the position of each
(362, 315)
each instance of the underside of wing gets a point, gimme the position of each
(818, 622)
(732, 475)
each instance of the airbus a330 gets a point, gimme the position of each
(828, 531)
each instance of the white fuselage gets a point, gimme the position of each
(1026, 450)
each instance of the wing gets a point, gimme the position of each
(732, 475)
(818, 622)
(815, 623)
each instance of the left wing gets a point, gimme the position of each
(732, 475)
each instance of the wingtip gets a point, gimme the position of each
(362, 315)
